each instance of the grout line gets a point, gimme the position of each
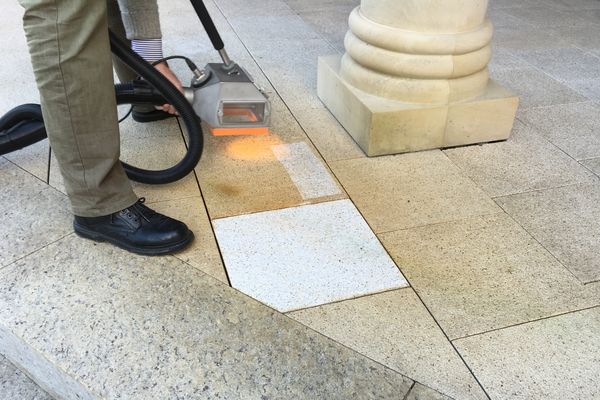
(362, 296)
(23, 169)
(212, 228)
(409, 390)
(541, 244)
(526, 322)
(35, 251)
(48, 166)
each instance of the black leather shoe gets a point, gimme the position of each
(138, 229)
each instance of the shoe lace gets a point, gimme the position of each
(138, 210)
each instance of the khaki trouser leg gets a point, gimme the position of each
(70, 53)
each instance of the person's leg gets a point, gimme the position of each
(70, 53)
(115, 24)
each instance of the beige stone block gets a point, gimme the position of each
(383, 126)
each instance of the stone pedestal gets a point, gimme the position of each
(414, 77)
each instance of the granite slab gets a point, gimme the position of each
(15, 385)
(553, 359)
(96, 322)
(33, 214)
(525, 162)
(572, 127)
(395, 329)
(566, 221)
(485, 273)
(305, 256)
(399, 192)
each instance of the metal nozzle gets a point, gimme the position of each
(225, 57)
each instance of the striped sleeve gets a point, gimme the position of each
(149, 49)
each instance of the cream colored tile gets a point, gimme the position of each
(33, 159)
(395, 329)
(566, 221)
(203, 254)
(553, 359)
(397, 192)
(33, 214)
(525, 162)
(485, 273)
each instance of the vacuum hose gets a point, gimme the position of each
(23, 125)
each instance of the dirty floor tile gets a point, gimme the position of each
(398, 192)
(203, 253)
(305, 256)
(485, 273)
(566, 221)
(551, 359)
(395, 329)
(525, 162)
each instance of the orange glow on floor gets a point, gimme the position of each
(239, 131)
(252, 148)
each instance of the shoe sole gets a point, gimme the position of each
(142, 250)
(151, 116)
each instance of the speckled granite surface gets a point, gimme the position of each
(15, 385)
(130, 327)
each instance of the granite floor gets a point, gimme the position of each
(465, 273)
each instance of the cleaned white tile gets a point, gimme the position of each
(305, 256)
(307, 172)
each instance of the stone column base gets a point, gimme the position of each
(385, 126)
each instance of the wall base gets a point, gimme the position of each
(384, 126)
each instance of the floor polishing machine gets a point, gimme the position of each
(223, 95)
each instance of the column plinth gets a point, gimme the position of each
(415, 77)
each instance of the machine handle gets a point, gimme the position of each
(208, 24)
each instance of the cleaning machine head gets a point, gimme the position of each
(224, 94)
(226, 98)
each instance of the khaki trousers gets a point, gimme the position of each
(70, 54)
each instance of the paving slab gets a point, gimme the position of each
(536, 89)
(305, 256)
(32, 213)
(589, 88)
(572, 127)
(395, 329)
(512, 38)
(154, 328)
(399, 192)
(547, 17)
(566, 221)
(421, 392)
(203, 253)
(525, 162)
(563, 64)
(485, 273)
(33, 159)
(15, 385)
(553, 359)
(593, 164)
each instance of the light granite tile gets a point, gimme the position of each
(503, 59)
(546, 17)
(33, 159)
(398, 192)
(305, 256)
(395, 329)
(203, 253)
(525, 162)
(589, 88)
(485, 273)
(32, 213)
(421, 392)
(157, 329)
(566, 221)
(592, 164)
(585, 37)
(15, 385)
(512, 38)
(536, 89)
(572, 127)
(308, 172)
(552, 359)
(563, 64)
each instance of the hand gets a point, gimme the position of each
(164, 69)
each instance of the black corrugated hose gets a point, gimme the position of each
(23, 125)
